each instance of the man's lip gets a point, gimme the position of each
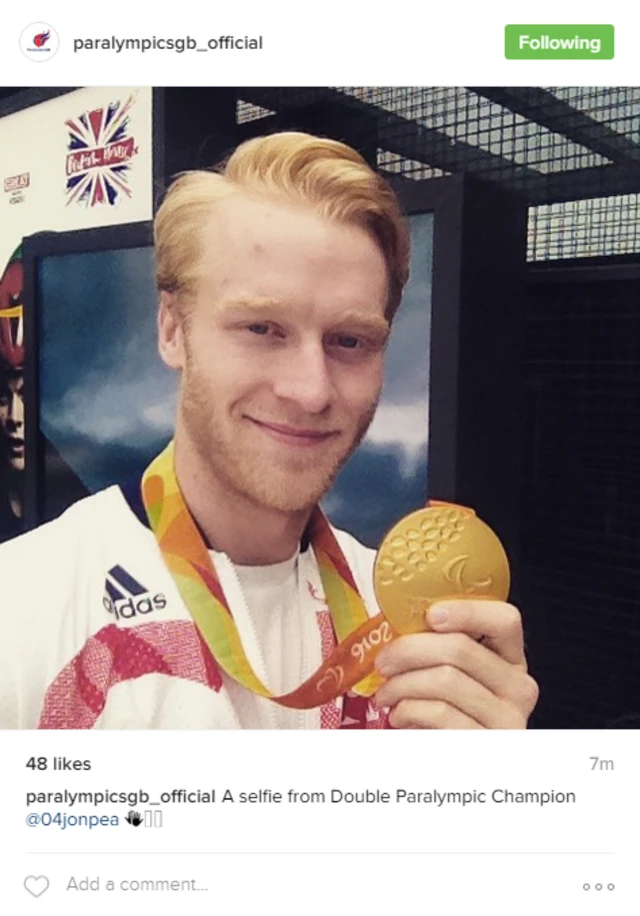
(16, 443)
(294, 431)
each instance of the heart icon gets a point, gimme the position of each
(36, 885)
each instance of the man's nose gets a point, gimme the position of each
(304, 376)
(16, 413)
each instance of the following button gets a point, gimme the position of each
(558, 42)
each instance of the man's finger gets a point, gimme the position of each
(456, 690)
(496, 623)
(429, 714)
(429, 650)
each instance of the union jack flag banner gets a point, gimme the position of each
(100, 152)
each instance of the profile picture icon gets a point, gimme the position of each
(39, 42)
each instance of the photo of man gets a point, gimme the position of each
(12, 432)
(11, 399)
(205, 594)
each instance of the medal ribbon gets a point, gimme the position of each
(360, 638)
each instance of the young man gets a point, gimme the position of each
(191, 599)
(11, 398)
(11, 451)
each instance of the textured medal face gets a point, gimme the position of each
(443, 551)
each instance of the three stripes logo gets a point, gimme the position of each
(125, 597)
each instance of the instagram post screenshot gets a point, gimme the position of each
(319, 399)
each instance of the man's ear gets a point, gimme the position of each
(171, 332)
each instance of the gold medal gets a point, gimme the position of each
(441, 552)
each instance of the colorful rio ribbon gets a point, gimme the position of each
(360, 637)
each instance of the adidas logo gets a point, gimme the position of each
(126, 598)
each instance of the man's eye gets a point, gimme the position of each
(265, 329)
(348, 341)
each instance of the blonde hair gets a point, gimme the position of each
(325, 174)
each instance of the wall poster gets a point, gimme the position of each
(81, 160)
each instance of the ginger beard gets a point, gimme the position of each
(243, 459)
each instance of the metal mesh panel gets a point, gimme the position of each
(573, 151)
(584, 228)
(616, 106)
(465, 115)
(394, 164)
(246, 112)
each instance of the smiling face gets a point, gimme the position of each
(282, 353)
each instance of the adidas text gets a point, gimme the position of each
(128, 608)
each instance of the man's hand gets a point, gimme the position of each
(471, 673)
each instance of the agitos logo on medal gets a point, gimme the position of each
(39, 42)
(101, 149)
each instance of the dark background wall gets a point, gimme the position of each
(581, 492)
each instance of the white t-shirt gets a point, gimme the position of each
(281, 637)
(96, 635)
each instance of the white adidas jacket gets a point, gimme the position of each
(95, 633)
